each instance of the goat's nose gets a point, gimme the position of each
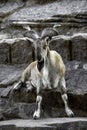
(39, 57)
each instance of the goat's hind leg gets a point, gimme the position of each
(65, 98)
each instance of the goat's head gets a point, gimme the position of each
(41, 44)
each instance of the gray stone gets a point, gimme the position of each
(79, 47)
(76, 78)
(10, 74)
(61, 45)
(5, 92)
(45, 124)
(52, 104)
(9, 7)
(70, 18)
(21, 52)
(71, 47)
(48, 10)
(19, 110)
(4, 53)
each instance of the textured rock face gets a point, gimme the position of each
(45, 124)
(71, 47)
(52, 106)
(70, 19)
(10, 74)
(16, 51)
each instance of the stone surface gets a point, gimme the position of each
(21, 104)
(7, 7)
(10, 74)
(45, 124)
(4, 53)
(17, 50)
(71, 16)
(72, 47)
(48, 10)
(70, 19)
(79, 48)
(61, 45)
(21, 52)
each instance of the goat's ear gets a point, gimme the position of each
(48, 39)
(30, 39)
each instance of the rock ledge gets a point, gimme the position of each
(45, 124)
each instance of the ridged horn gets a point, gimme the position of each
(49, 32)
(31, 34)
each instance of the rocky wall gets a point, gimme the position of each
(70, 19)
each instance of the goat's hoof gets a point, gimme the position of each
(70, 113)
(36, 115)
(29, 89)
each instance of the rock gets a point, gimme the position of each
(45, 124)
(76, 78)
(9, 7)
(79, 47)
(71, 47)
(20, 110)
(10, 74)
(4, 53)
(70, 19)
(50, 9)
(52, 104)
(5, 92)
(19, 51)
(61, 45)
(77, 86)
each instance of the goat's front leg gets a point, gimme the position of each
(18, 86)
(65, 98)
(38, 107)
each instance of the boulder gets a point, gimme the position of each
(21, 52)
(79, 47)
(38, 12)
(10, 74)
(21, 102)
(45, 124)
(62, 46)
(8, 7)
(4, 53)
(72, 47)
(15, 51)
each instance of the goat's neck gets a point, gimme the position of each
(44, 62)
(40, 65)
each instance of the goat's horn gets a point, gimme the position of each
(49, 32)
(31, 34)
(25, 26)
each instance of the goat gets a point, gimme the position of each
(47, 72)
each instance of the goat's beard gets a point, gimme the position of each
(40, 64)
(41, 60)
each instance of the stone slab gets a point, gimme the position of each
(4, 53)
(10, 74)
(45, 124)
(45, 11)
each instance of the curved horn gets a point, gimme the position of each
(31, 34)
(49, 32)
